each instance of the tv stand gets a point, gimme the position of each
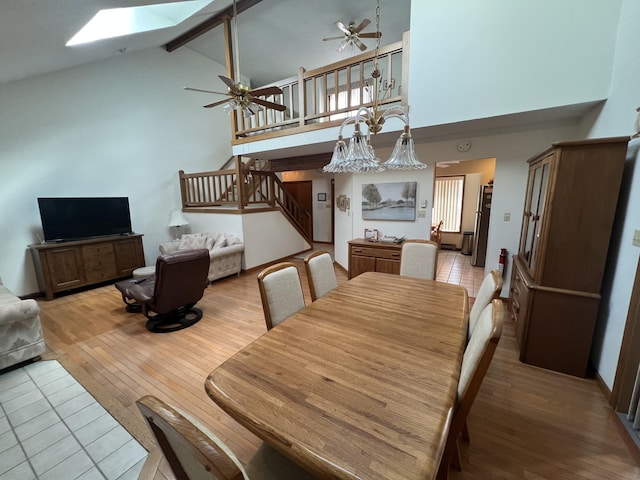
(80, 263)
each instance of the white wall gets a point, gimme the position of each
(617, 118)
(269, 236)
(120, 127)
(475, 59)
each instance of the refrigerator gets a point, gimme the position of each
(483, 212)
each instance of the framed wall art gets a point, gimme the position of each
(389, 201)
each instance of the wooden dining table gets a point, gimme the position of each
(360, 384)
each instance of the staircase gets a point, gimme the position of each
(247, 188)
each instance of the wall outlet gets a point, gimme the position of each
(507, 217)
(422, 214)
(636, 238)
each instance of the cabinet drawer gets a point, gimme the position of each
(100, 273)
(376, 252)
(518, 306)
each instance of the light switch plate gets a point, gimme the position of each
(507, 217)
(636, 238)
(422, 214)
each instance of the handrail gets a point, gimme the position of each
(249, 188)
(325, 96)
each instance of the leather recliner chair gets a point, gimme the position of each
(167, 298)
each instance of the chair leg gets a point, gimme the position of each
(456, 461)
(465, 432)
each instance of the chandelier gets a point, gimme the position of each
(359, 155)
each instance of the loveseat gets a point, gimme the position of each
(225, 251)
(20, 330)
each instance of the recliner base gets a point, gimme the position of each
(176, 320)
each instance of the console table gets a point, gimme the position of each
(68, 265)
(366, 256)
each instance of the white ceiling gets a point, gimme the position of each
(276, 37)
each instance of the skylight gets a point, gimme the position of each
(116, 22)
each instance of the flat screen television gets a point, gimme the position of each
(65, 219)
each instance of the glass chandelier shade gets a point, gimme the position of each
(403, 156)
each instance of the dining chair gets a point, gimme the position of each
(436, 233)
(490, 289)
(419, 259)
(195, 453)
(475, 363)
(320, 273)
(281, 292)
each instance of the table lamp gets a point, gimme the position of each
(177, 220)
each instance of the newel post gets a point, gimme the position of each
(302, 96)
(183, 188)
(240, 182)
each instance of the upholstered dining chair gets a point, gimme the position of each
(281, 292)
(490, 289)
(194, 453)
(419, 259)
(320, 273)
(475, 363)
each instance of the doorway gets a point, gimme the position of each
(302, 192)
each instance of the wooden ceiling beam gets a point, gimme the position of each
(208, 24)
(302, 162)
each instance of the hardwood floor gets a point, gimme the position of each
(526, 423)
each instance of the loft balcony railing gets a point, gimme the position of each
(325, 96)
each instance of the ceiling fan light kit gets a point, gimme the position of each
(359, 157)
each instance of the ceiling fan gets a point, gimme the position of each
(352, 35)
(242, 97)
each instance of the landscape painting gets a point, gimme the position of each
(389, 201)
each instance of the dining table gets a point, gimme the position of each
(360, 384)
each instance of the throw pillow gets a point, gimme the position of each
(192, 241)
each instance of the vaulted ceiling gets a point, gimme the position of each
(276, 37)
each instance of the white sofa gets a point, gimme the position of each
(225, 251)
(20, 329)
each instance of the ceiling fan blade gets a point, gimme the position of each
(261, 92)
(370, 35)
(215, 104)
(343, 46)
(333, 38)
(341, 26)
(267, 104)
(228, 82)
(204, 91)
(362, 25)
(359, 44)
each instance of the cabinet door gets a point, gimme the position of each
(538, 179)
(128, 255)
(387, 266)
(64, 267)
(360, 264)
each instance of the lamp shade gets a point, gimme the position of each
(404, 156)
(176, 219)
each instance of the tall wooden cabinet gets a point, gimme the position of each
(570, 204)
(64, 266)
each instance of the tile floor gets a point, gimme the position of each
(51, 428)
(453, 267)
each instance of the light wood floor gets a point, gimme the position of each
(526, 423)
